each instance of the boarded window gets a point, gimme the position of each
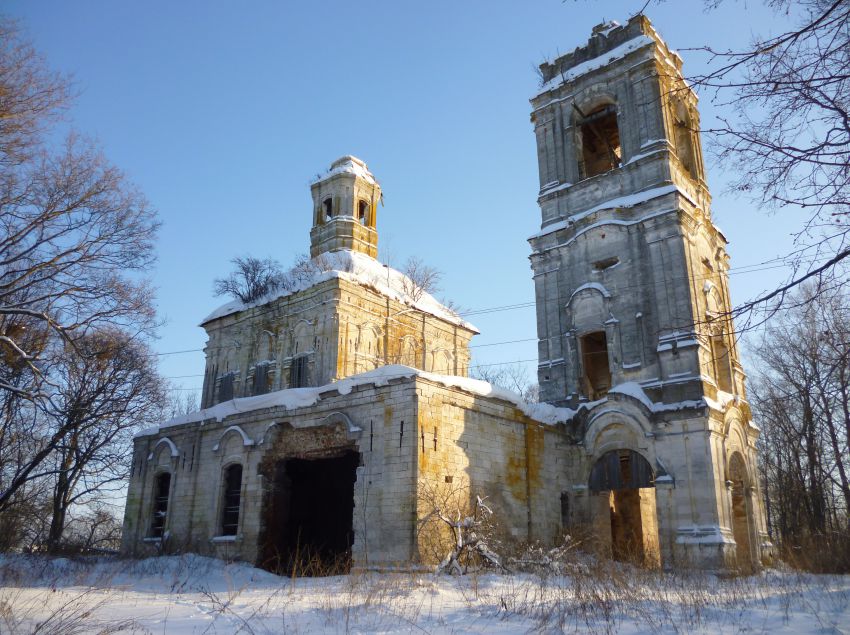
(565, 510)
(362, 211)
(621, 469)
(298, 373)
(161, 488)
(600, 140)
(225, 387)
(261, 379)
(232, 499)
(594, 357)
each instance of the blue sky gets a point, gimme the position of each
(222, 112)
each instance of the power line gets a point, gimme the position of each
(744, 269)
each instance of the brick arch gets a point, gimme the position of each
(616, 425)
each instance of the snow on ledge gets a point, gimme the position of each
(578, 70)
(294, 398)
(620, 202)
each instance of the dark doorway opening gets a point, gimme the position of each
(309, 514)
(627, 519)
(741, 522)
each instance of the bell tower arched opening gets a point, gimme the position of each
(600, 140)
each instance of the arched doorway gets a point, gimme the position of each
(624, 480)
(741, 511)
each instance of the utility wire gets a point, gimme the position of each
(752, 268)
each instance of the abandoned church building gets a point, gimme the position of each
(330, 406)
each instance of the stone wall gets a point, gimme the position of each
(340, 327)
(410, 434)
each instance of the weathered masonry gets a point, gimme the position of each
(336, 409)
(632, 292)
(332, 411)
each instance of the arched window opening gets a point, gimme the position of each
(722, 363)
(594, 356)
(328, 206)
(683, 136)
(161, 489)
(362, 211)
(600, 140)
(232, 499)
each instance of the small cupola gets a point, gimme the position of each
(345, 200)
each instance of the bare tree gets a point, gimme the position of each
(459, 531)
(786, 133)
(75, 241)
(73, 233)
(181, 404)
(109, 389)
(30, 96)
(252, 279)
(801, 396)
(513, 377)
(419, 279)
(79, 445)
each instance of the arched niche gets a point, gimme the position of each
(408, 352)
(302, 339)
(442, 362)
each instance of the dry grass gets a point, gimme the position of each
(580, 594)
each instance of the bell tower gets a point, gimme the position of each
(345, 200)
(633, 304)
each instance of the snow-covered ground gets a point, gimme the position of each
(190, 594)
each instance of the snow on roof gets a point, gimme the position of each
(293, 398)
(620, 202)
(354, 267)
(347, 165)
(606, 58)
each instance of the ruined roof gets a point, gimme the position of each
(609, 42)
(347, 165)
(357, 268)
